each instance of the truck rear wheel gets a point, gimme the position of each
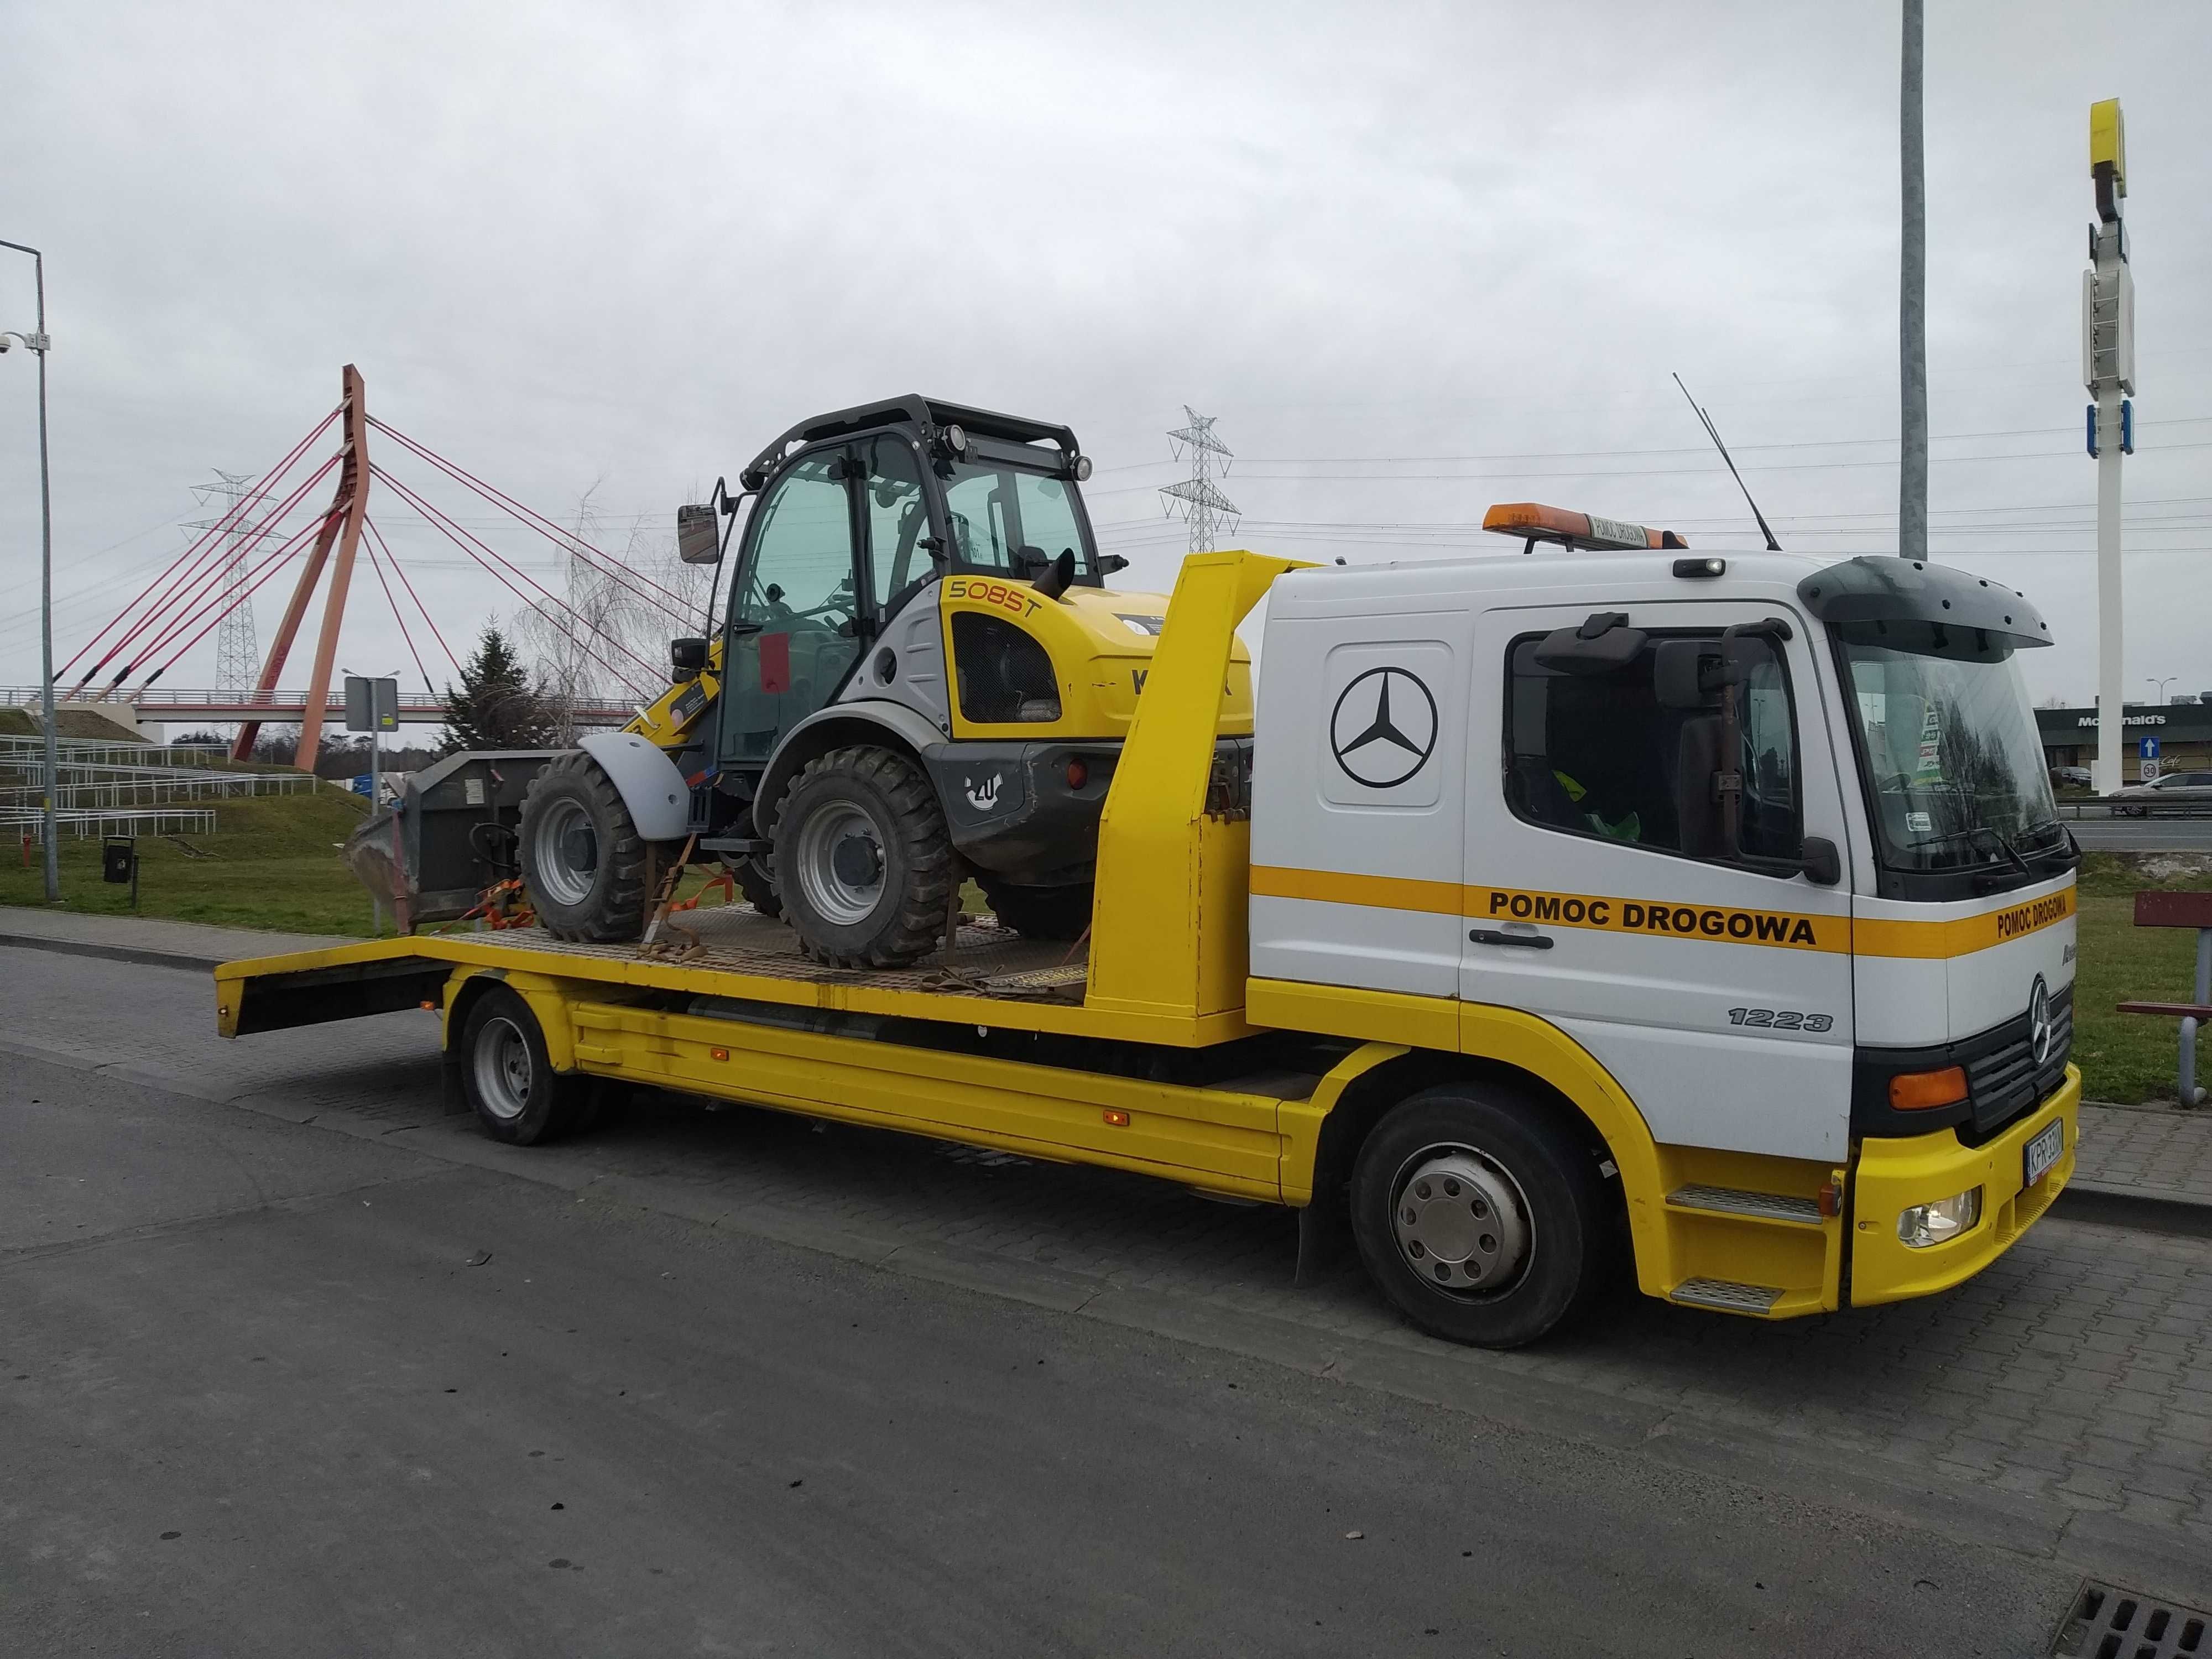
(864, 864)
(1479, 1216)
(583, 861)
(508, 1077)
(1058, 912)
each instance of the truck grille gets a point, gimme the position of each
(2006, 1081)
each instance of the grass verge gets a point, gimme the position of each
(272, 863)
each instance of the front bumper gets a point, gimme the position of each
(1896, 1173)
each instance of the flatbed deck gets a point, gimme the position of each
(729, 952)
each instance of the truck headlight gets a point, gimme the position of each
(1941, 1222)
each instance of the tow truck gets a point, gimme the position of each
(1620, 910)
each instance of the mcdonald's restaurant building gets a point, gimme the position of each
(2184, 731)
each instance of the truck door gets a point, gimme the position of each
(1712, 979)
(793, 609)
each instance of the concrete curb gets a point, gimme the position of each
(136, 954)
(2135, 1209)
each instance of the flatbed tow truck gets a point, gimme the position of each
(1610, 911)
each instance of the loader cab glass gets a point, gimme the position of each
(793, 609)
(1013, 517)
(1600, 741)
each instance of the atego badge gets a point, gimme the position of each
(1383, 728)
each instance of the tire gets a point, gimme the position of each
(508, 1077)
(864, 864)
(1054, 913)
(1483, 1191)
(583, 861)
(758, 886)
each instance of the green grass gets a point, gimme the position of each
(273, 864)
(2130, 1057)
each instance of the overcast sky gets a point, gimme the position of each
(1415, 260)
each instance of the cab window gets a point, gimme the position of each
(1598, 754)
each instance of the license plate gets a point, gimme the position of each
(2045, 1150)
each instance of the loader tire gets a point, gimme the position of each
(864, 864)
(1053, 913)
(757, 882)
(584, 864)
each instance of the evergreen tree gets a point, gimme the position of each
(495, 706)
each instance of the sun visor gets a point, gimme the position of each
(1876, 589)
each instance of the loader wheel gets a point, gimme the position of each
(1479, 1216)
(509, 1079)
(583, 861)
(864, 864)
(755, 881)
(1056, 913)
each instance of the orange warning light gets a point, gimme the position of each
(1534, 522)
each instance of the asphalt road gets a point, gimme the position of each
(313, 1375)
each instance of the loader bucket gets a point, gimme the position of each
(451, 835)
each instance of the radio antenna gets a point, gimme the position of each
(1714, 433)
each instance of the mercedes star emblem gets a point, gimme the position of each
(1383, 728)
(2038, 1021)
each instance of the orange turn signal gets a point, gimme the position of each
(1916, 1091)
(1117, 1117)
(718, 1053)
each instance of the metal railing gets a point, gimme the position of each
(161, 821)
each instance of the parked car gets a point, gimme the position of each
(2177, 792)
(2069, 777)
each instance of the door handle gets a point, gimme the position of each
(1496, 936)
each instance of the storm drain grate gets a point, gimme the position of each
(2107, 1622)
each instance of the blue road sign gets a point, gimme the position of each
(2149, 751)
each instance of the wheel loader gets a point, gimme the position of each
(919, 676)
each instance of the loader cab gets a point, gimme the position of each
(860, 513)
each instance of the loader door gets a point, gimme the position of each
(1603, 893)
(795, 609)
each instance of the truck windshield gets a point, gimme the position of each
(1953, 766)
(999, 512)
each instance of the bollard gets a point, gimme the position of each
(2191, 1094)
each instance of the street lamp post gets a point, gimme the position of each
(38, 341)
(2161, 684)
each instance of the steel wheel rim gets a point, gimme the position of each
(565, 850)
(1462, 1222)
(836, 899)
(502, 1068)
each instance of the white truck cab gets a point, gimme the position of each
(1769, 838)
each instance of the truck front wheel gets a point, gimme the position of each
(1479, 1216)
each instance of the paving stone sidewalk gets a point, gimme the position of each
(2161, 1151)
(152, 936)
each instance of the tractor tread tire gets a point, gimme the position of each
(1041, 913)
(758, 887)
(922, 838)
(614, 912)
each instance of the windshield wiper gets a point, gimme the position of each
(1974, 830)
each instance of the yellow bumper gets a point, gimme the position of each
(1895, 1174)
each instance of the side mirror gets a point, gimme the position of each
(1112, 564)
(1685, 673)
(1604, 644)
(1824, 864)
(698, 538)
(686, 657)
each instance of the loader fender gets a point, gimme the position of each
(659, 800)
(840, 726)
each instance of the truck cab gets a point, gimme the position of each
(1762, 818)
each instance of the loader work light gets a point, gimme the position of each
(1534, 522)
